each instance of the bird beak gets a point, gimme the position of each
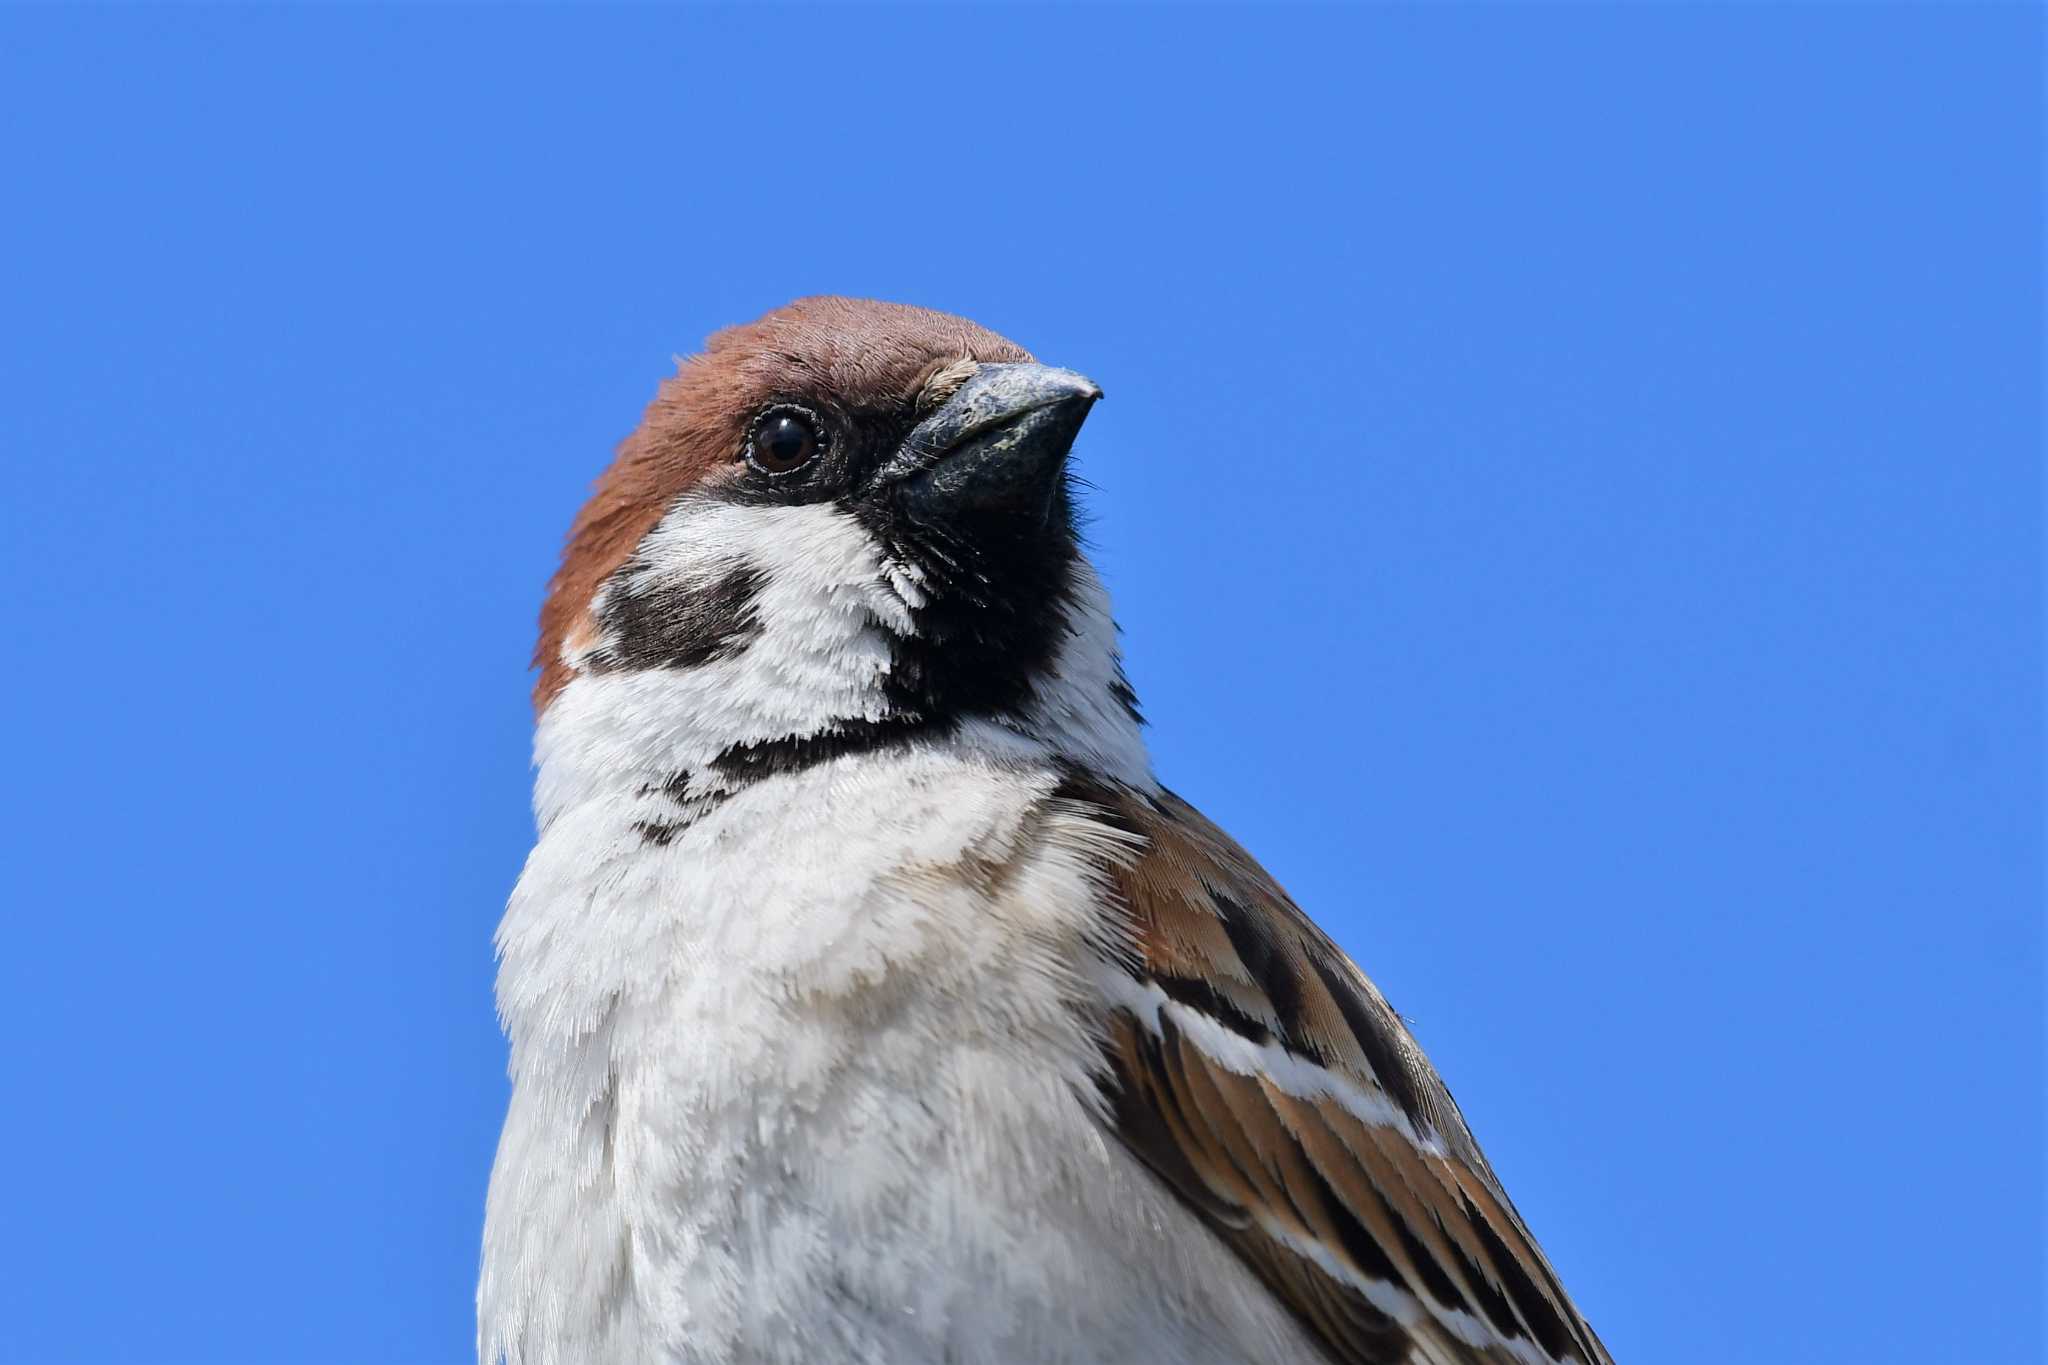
(998, 445)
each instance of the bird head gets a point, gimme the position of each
(846, 522)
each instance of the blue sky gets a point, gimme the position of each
(1570, 477)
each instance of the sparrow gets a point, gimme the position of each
(869, 998)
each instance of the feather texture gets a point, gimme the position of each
(1264, 1079)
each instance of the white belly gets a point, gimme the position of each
(823, 1094)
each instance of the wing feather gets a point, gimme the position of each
(1265, 1080)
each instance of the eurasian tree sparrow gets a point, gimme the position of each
(869, 999)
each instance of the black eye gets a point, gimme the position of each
(784, 440)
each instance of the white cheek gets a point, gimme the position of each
(826, 602)
(817, 563)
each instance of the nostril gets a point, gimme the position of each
(944, 382)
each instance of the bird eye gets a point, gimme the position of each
(784, 440)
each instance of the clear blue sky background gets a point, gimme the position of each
(1570, 477)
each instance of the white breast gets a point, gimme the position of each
(813, 1082)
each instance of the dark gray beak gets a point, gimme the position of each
(997, 446)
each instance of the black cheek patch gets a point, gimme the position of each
(677, 626)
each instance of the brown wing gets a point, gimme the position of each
(1259, 1074)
